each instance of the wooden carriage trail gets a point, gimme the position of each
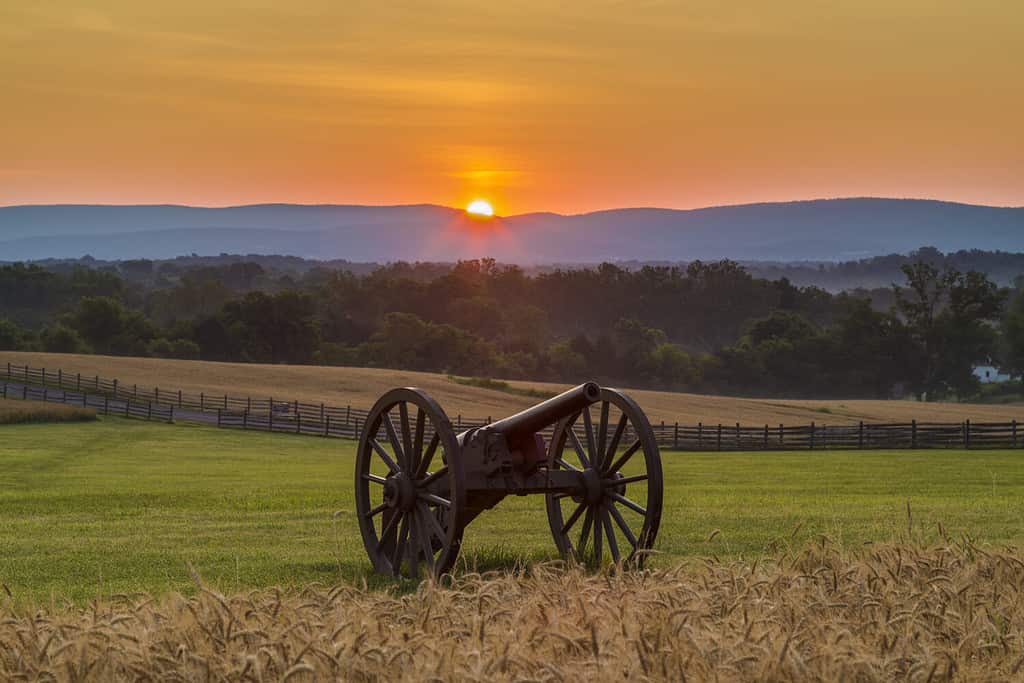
(270, 413)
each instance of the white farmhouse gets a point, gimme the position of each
(990, 374)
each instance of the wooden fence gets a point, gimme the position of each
(275, 414)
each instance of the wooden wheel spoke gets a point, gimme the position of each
(424, 483)
(384, 455)
(612, 481)
(375, 479)
(618, 464)
(635, 507)
(578, 447)
(562, 463)
(376, 511)
(602, 436)
(620, 428)
(588, 426)
(585, 534)
(389, 427)
(609, 531)
(415, 545)
(434, 525)
(428, 456)
(597, 533)
(626, 531)
(417, 441)
(403, 537)
(388, 532)
(436, 500)
(403, 418)
(573, 517)
(425, 545)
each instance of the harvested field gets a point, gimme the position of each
(360, 387)
(26, 412)
(894, 612)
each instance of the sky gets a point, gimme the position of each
(534, 105)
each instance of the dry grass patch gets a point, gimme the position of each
(25, 412)
(361, 387)
(879, 614)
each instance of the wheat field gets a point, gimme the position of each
(360, 387)
(893, 612)
(23, 412)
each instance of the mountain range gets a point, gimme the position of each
(816, 230)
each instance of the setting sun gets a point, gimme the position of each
(479, 207)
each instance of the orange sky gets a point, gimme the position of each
(584, 106)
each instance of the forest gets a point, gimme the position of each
(706, 326)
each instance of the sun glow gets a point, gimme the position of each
(479, 207)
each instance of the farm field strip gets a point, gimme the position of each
(116, 505)
(360, 387)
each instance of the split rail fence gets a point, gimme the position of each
(109, 396)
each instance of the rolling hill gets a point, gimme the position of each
(833, 229)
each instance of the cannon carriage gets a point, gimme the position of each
(419, 484)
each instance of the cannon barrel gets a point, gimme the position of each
(525, 424)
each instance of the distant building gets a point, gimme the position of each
(990, 374)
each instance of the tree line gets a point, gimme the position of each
(711, 327)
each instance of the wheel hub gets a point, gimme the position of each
(593, 491)
(400, 492)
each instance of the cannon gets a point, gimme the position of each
(419, 484)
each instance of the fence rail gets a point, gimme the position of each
(269, 413)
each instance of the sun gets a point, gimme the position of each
(480, 207)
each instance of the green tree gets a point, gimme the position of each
(949, 315)
(1013, 336)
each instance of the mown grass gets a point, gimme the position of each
(115, 506)
(13, 411)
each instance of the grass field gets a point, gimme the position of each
(116, 506)
(360, 387)
(23, 412)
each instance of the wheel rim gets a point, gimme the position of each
(616, 516)
(408, 445)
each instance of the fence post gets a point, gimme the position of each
(298, 421)
(766, 437)
(8, 370)
(700, 436)
(218, 417)
(106, 405)
(739, 443)
(225, 401)
(135, 391)
(327, 426)
(127, 407)
(913, 433)
(44, 394)
(860, 435)
(202, 401)
(60, 378)
(179, 398)
(115, 388)
(1013, 428)
(149, 411)
(967, 434)
(321, 412)
(170, 414)
(78, 383)
(718, 443)
(245, 420)
(156, 394)
(782, 435)
(24, 392)
(675, 437)
(812, 436)
(248, 403)
(270, 416)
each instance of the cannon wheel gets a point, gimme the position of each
(408, 444)
(616, 515)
